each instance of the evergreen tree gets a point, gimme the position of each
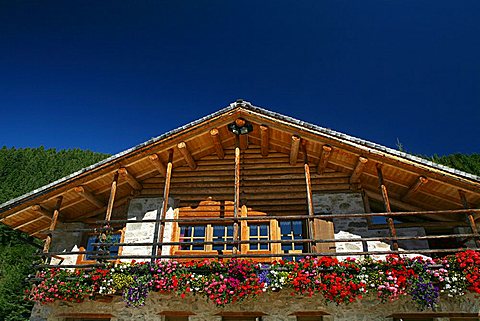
(21, 171)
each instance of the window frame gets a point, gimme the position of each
(82, 258)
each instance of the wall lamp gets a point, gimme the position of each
(240, 127)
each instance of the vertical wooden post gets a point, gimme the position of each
(386, 202)
(236, 200)
(53, 225)
(113, 191)
(469, 217)
(311, 212)
(158, 236)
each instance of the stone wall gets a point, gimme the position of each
(276, 307)
(65, 240)
(352, 228)
(145, 209)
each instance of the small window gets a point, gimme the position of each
(310, 318)
(87, 319)
(192, 233)
(114, 238)
(222, 233)
(176, 318)
(259, 232)
(292, 230)
(243, 318)
(413, 318)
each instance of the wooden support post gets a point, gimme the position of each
(217, 143)
(158, 236)
(236, 200)
(311, 212)
(386, 202)
(470, 218)
(80, 190)
(111, 200)
(325, 155)
(264, 140)
(182, 147)
(294, 148)
(357, 172)
(132, 181)
(53, 225)
(419, 182)
(161, 168)
(244, 230)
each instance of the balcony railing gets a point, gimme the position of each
(309, 243)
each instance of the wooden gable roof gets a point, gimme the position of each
(413, 183)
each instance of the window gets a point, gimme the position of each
(259, 232)
(87, 319)
(413, 318)
(292, 230)
(193, 233)
(90, 239)
(310, 318)
(189, 235)
(114, 238)
(225, 234)
(176, 318)
(243, 318)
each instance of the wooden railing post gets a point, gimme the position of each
(311, 212)
(386, 202)
(158, 235)
(53, 225)
(470, 218)
(236, 200)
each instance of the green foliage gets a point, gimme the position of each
(466, 163)
(21, 171)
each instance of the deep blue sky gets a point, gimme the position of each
(107, 75)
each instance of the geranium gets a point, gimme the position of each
(225, 282)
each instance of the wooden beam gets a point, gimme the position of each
(419, 182)
(308, 184)
(53, 224)
(470, 218)
(111, 200)
(357, 172)
(158, 235)
(37, 208)
(29, 222)
(131, 180)
(236, 198)
(243, 141)
(325, 154)
(217, 143)
(294, 148)
(386, 202)
(182, 147)
(264, 140)
(80, 190)
(155, 160)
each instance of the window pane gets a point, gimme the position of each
(222, 233)
(292, 230)
(259, 232)
(192, 233)
(113, 238)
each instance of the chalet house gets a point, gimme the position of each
(247, 185)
